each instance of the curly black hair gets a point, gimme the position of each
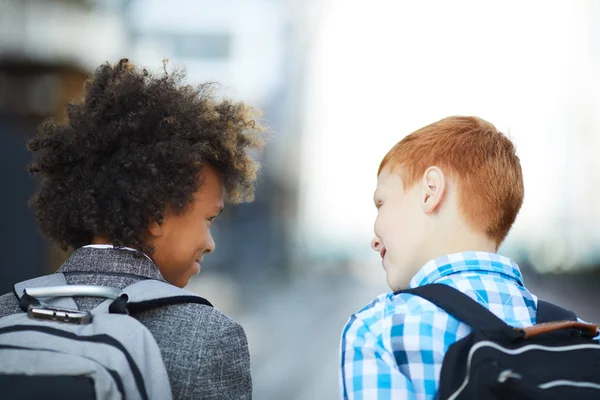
(132, 146)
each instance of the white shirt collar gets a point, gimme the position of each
(110, 246)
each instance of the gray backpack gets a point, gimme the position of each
(55, 351)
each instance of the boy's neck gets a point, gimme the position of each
(458, 240)
(460, 246)
(100, 240)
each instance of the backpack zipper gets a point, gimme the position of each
(564, 382)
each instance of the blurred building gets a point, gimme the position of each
(47, 50)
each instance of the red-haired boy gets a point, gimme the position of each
(447, 196)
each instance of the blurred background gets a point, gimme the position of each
(340, 82)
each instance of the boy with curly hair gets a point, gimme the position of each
(132, 182)
(447, 196)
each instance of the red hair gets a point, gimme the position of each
(482, 161)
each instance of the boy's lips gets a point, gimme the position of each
(382, 252)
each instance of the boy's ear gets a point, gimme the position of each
(155, 229)
(434, 188)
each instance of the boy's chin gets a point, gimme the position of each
(396, 282)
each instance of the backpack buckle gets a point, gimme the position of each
(508, 374)
(59, 314)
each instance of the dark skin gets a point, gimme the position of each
(181, 240)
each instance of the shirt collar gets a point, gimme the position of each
(111, 246)
(468, 261)
(105, 259)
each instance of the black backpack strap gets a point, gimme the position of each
(548, 312)
(147, 295)
(122, 306)
(462, 307)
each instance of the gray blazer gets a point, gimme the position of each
(205, 351)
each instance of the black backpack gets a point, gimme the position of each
(550, 360)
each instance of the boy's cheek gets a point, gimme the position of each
(380, 223)
(377, 227)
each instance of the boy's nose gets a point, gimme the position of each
(376, 244)
(210, 246)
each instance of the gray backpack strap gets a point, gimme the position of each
(57, 279)
(147, 295)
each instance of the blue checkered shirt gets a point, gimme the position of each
(394, 347)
